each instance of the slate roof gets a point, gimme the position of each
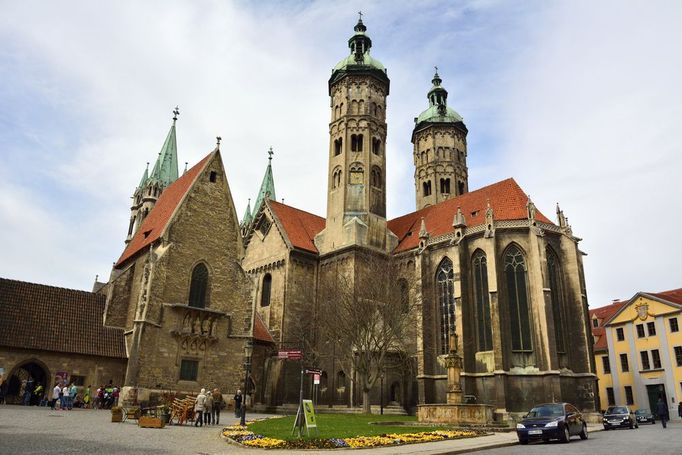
(506, 197)
(300, 227)
(603, 314)
(154, 224)
(41, 317)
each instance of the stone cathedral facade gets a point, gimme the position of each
(487, 263)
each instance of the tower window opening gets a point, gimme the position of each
(356, 142)
(213, 176)
(338, 143)
(445, 186)
(376, 146)
(376, 177)
(427, 188)
(132, 224)
(460, 187)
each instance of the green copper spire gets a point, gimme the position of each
(145, 177)
(267, 188)
(247, 215)
(438, 111)
(166, 168)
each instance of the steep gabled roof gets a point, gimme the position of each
(603, 314)
(37, 316)
(300, 227)
(506, 198)
(156, 221)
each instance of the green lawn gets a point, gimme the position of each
(340, 426)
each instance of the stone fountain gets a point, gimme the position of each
(454, 412)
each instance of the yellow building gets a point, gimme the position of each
(638, 350)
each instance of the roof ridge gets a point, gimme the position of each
(297, 209)
(49, 286)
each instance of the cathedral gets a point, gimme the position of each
(487, 265)
(193, 284)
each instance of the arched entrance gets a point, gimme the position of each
(19, 377)
(394, 394)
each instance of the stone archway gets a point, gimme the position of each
(395, 397)
(19, 376)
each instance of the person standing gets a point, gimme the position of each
(208, 408)
(218, 404)
(64, 398)
(662, 411)
(86, 397)
(28, 391)
(73, 391)
(238, 403)
(199, 408)
(679, 408)
(55, 395)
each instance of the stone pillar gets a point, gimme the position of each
(453, 362)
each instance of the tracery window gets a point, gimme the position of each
(557, 295)
(517, 298)
(482, 300)
(266, 290)
(446, 302)
(198, 288)
(445, 186)
(356, 142)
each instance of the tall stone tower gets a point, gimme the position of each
(356, 192)
(164, 172)
(440, 150)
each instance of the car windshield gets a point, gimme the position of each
(642, 411)
(617, 410)
(547, 410)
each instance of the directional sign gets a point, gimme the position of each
(295, 354)
(313, 371)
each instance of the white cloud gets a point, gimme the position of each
(578, 101)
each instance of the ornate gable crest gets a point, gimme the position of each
(642, 308)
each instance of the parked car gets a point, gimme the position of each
(551, 421)
(644, 415)
(619, 417)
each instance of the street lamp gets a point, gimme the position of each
(248, 350)
(381, 392)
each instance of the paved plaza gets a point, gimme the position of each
(35, 431)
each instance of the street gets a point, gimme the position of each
(647, 440)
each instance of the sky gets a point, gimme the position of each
(579, 101)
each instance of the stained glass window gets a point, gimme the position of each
(446, 302)
(517, 298)
(482, 299)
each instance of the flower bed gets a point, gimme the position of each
(243, 436)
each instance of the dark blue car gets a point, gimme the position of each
(551, 421)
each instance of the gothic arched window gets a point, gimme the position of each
(198, 288)
(427, 188)
(404, 295)
(517, 298)
(266, 290)
(557, 293)
(446, 302)
(482, 300)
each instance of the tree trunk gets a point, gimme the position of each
(366, 406)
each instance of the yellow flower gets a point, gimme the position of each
(265, 443)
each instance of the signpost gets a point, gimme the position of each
(310, 419)
(291, 354)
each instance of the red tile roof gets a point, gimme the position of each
(260, 331)
(37, 316)
(507, 200)
(674, 296)
(153, 225)
(603, 314)
(300, 227)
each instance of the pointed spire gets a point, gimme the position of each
(267, 187)
(247, 215)
(166, 167)
(459, 220)
(423, 233)
(145, 176)
(561, 218)
(186, 163)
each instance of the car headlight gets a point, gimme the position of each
(520, 426)
(552, 424)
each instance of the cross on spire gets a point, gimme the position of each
(176, 112)
(217, 140)
(436, 69)
(360, 14)
(270, 153)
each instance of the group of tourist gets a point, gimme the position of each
(207, 407)
(66, 396)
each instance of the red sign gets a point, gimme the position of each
(296, 354)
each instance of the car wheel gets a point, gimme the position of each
(583, 432)
(545, 440)
(523, 442)
(606, 428)
(653, 422)
(566, 436)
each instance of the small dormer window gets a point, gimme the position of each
(595, 322)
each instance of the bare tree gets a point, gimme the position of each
(364, 306)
